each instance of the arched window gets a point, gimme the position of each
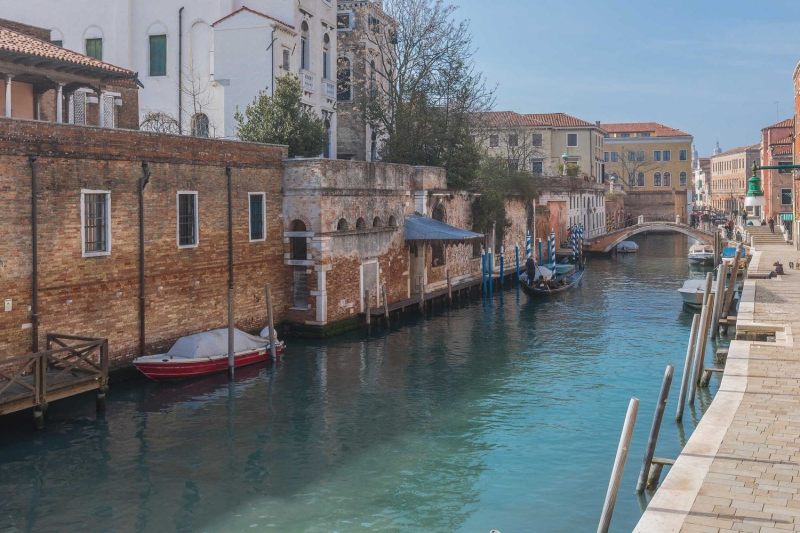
(657, 179)
(305, 58)
(392, 222)
(299, 250)
(326, 57)
(377, 222)
(342, 225)
(344, 79)
(667, 179)
(640, 179)
(200, 125)
(361, 223)
(682, 179)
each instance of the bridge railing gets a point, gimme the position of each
(618, 225)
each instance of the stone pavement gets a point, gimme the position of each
(740, 471)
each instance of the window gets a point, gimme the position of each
(682, 155)
(667, 179)
(572, 139)
(646, 134)
(298, 245)
(342, 225)
(158, 55)
(657, 155)
(682, 179)
(200, 125)
(640, 156)
(286, 65)
(614, 157)
(77, 108)
(344, 82)
(657, 179)
(326, 45)
(377, 222)
(786, 196)
(536, 139)
(605, 156)
(187, 219)
(361, 223)
(667, 155)
(305, 49)
(631, 156)
(343, 20)
(95, 223)
(258, 229)
(640, 180)
(94, 48)
(513, 140)
(785, 164)
(392, 222)
(57, 43)
(625, 135)
(513, 164)
(537, 167)
(494, 141)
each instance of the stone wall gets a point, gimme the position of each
(656, 205)
(186, 289)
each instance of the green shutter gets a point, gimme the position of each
(94, 48)
(57, 43)
(158, 55)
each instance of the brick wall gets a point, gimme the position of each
(98, 296)
(656, 205)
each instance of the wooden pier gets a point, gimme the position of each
(71, 365)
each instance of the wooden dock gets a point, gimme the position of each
(71, 365)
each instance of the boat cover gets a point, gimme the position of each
(215, 343)
(627, 245)
(729, 251)
(422, 228)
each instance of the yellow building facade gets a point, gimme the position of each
(647, 156)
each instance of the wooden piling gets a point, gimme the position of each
(655, 428)
(273, 351)
(368, 310)
(687, 367)
(385, 305)
(700, 348)
(421, 296)
(726, 306)
(38, 417)
(719, 298)
(619, 466)
(101, 398)
(449, 288)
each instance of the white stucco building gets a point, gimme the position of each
(199, 60)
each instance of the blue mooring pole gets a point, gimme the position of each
(539, 244)
(483, 269)
(502, 265)
(490, 269)
(516, 253)
(548, 249)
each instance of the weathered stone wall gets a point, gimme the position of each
(656, 205)
(186, 289)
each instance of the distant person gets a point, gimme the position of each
(530, 266)
(771, 224)
(744, 218)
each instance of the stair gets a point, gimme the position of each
(762, 236)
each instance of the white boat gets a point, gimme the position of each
(627, 247)
(701, 254)
(692, 292)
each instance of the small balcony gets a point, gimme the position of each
(329, 89)
(307, 81)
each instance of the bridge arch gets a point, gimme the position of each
(606, 243)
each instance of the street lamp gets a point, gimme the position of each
(755, 194)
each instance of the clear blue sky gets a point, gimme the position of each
(713, 68)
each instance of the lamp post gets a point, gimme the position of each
(755, 193)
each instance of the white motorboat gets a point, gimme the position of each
(627, 247)
(692, 292)
(701, 254)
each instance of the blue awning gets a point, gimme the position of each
(422, 228)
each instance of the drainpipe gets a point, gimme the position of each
(35, 256)
(142, 184)
(180, 71)
(272, 44)
(230, 276)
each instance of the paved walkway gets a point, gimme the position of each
(740, 471)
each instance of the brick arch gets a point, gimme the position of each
(305, 220)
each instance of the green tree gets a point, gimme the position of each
(282, 118)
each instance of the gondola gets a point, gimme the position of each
(572, 281)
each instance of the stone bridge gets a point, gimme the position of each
(608, 241)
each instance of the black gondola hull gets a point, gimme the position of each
(545, 293)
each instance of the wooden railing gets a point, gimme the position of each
(69, 366)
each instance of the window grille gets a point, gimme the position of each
(77, 108)
(256, 217)
(95, 223)
(187, 219)
(108, 112)
(657, 179)
(537, 167)
(286, 65)
(537, 139)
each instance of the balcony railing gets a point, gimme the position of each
(329, 89)
(307, 80)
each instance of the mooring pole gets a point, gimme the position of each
(483, 268)
(449, 288)
(386, 305)
(368, 312)
(273, 350)
(702, 335)
(655, 428)
(722, 273)
(502, 265)
(516, 255)
(539, 246)
(687, 367)
(230, 277)
(726, 306)
(421, 295)
(490, 268)
(619, 466)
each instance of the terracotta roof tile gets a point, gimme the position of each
(253, 11)
(654, 128)
(498, 119)
(785, 140)
(19, 43)
(561, 120)
(739, 149)
(782, 150)
(788, 123)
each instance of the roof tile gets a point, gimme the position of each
(654, 128)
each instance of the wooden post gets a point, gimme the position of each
(719, 299)
(619, 466)
(368, 310)
(421, 295)
(38, 417)
(272, 347)
(385, 305)
(449, 288)
(231, 334)
(732, 285)
(700, 348)
(655, 428)
(687, 367)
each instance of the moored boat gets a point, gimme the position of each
(205, 353)
(701, 254)
(693, 290)
(550, 287)
(627, 247)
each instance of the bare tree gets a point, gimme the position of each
(159, 122)
(629, 166)
(198, 100)
(520, 146)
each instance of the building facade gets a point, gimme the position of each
(776, 150)
(199, 61)
(730, 172)
(702, 185)
(538, 142)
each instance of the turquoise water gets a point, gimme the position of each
(503, 414)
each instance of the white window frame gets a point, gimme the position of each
(351, 20)
(657, 158)
(84, 253)
(666, 155)
(576, 140)
(263, 216)
(178, 219)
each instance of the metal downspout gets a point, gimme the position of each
(35, 255)
(180, 71)
(142, 184)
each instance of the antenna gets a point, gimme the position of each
(777, 112)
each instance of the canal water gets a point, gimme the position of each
(501, 414)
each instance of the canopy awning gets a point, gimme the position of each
(422, 228)
(787, 216)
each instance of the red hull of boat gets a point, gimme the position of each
(161, 370)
